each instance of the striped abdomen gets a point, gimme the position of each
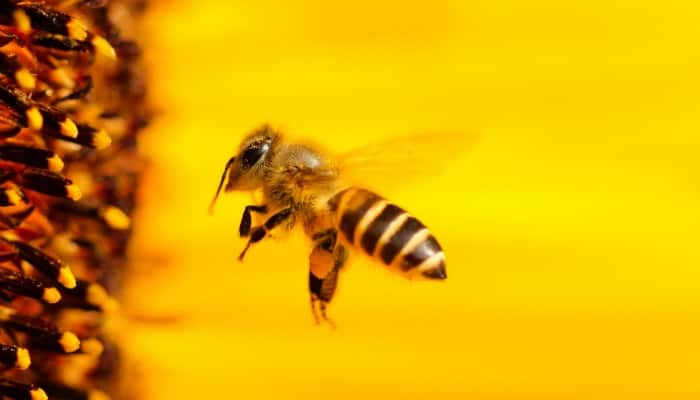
(387, 233)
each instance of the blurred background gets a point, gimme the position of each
(570, 225)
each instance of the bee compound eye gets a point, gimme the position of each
(252, 154)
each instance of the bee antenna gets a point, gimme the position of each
(221, 184)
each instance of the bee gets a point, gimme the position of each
(301, 185)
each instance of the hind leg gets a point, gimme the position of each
(325, 262)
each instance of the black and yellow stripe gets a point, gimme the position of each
(386, 232)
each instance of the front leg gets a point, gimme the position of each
(259, 232)
(247, 220)
(325, 262)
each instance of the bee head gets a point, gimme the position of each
(246, 170)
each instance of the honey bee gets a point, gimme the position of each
(302, 185)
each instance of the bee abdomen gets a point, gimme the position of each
(388, 233)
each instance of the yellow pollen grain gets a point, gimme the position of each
(95, 394)
(55, 164)
(22, 21)
(38, 394)
(13, 196)
(96, 294)
(25, 79)
(6, 313)
(68, 128)
(110, 305)
(11, 236)
(69, 342)
(24, 266)
(62, 77)
(51, 295)
(101, 140)
(36, 120)
(115, 218)
(92, 347)
(66, 277)
(103, 47)
(73, 192)
(23, 359)
(76, 30)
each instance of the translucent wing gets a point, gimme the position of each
(401, 160)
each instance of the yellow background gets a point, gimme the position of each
(570, 227)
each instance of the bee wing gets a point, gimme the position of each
(401, 160)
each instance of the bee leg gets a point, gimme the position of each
(246, 220)
(313, 300)
(259, 232)
(322, 290)
(325, 262)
